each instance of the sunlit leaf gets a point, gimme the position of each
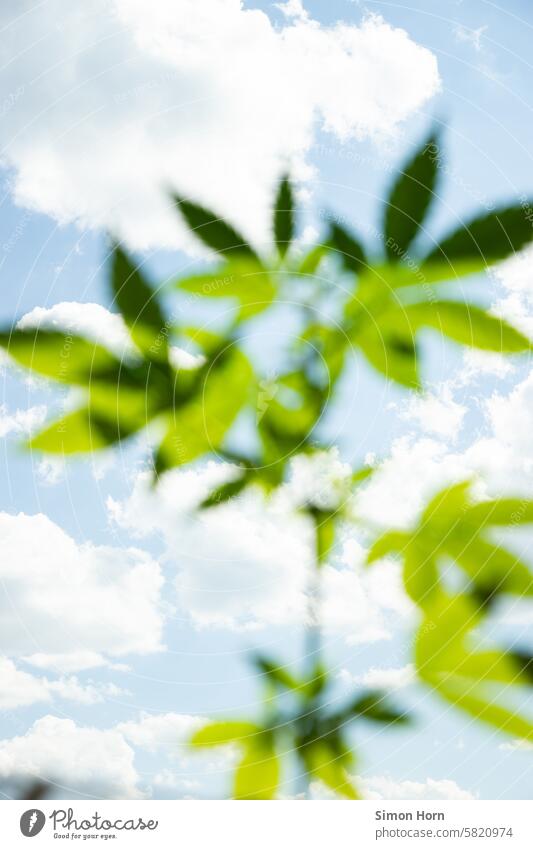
(63, 357)
(79, 432)
(214, 232)
(475, 680)
(222, 733)
(490, 237)
(199, 426)
(392, 353)
(258, 773)
(469, 325)
(411, 195)
(139, 306)
(349, 249)
(375, 706)
(248, 282)
(324, 763)
(284, 216)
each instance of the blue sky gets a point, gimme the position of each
(46, 258)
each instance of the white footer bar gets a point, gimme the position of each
(267, 825)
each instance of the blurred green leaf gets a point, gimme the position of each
(222, 733)
(411, 195)
(284, 216)
(226, 492)
(312, 259)
(392, 353)
(278, 675)
(490, 237)
(139, 307)
(200, 425)
(213, 231)
(324, 763)
(79, 432)
(452, 527)
(376, 707)
(388, 543)
(472, 679)
(63, 357)
(469, 325)
(249, 282)
(258, 773)
(350, 250)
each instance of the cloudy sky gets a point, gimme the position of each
(126, 620)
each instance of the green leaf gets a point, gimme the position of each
(225, 492)
(493, 569)
(350, 249)
(278, 675)
(249, 282)
(213, 231)
(257, 775)
(389, 542)
(61, 356)
(200, 425)
(284, 217)
(491, 237)
(376, 707)
(324, 763)
(139, 306)
(223, 733)
(469, 325)
(391, 353)
(447, 659)
(312, 259)
(410, 198)
(325, 534)
(78, 432)
(502, 511)
(483, 708)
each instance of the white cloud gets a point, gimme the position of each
(21, 421)
(436, 413)
(381, 678)
(383, 787)
(160, 732)
(55, 593)
(99, 324)
(72, 661)
(471, 36)
(20, 688)
(120, 100)
(86, 319)
(516, 746)
(83, 760)
(246, 564)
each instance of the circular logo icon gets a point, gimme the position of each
(32, 822)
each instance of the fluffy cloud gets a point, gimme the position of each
(436, 413)
(20, 688)
(382, 787)
(246, 564)
(381, 678)
(55, 593)
(102, 761)
(90, 320)
(160, 732)
(117, 100)
(97, 323)
(21, 421)
(76, 759)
